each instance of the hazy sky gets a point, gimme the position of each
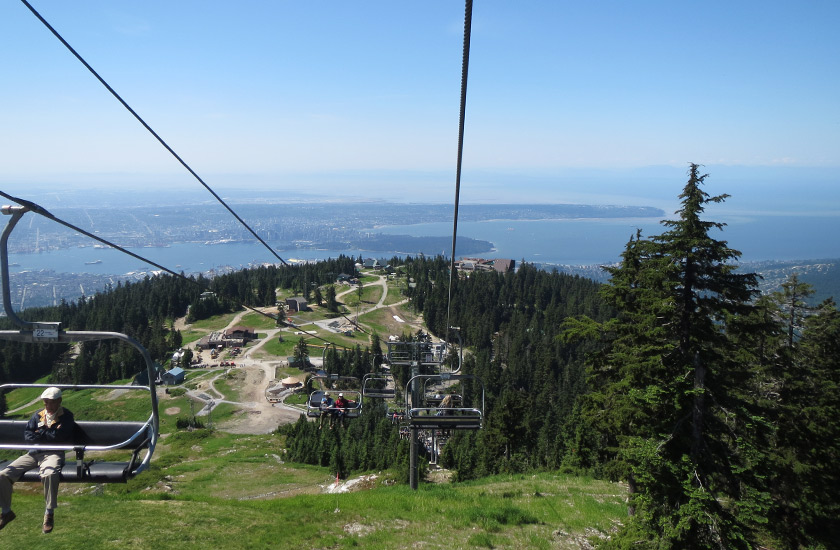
(567, 101)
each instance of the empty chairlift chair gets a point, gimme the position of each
(423, 353)
(379, 386)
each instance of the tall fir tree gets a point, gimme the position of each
(675, 405)
(301, 353)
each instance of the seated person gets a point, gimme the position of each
(341, 405)
(52, 424)
(445, 407)
(327, 410)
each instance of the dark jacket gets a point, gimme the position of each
(61, 430)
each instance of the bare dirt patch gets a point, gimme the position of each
(172, 411)
(260, 416)
(248, 382)
(181, 324)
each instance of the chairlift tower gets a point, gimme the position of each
(414, 355)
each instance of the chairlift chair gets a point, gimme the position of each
(376, 385)
(417, 352)
(313, 404)
(90, 435)
(435, 399)
(427, 416)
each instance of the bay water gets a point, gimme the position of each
(559, 242)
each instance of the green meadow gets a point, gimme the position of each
(211, 489)
(214, 490)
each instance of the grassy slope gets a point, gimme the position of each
(217, 490)
(212, 490)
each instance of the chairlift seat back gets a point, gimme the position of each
(377, 386)
(89, 436)
(457, 419)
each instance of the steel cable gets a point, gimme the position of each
(37, 209)
(465, 65)
(149, 128)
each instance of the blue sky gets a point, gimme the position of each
(567, 101)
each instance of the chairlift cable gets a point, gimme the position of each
(42, 211)
(149, 128)
(37, 209)
(355, 324)
(310, 334)
(465, 64)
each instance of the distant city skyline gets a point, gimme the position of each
(567, 102)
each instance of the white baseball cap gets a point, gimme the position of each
(51, 393)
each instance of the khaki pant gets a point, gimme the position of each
(327, 415)
(48, 464)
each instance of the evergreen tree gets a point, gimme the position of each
(186, 358)
(301, 353)
(376, 351)
(332, 303)
(670, 396)
(793, 308)
(805, 479)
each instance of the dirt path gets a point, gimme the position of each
(251, 377)
(257, 415)
(398, 325)
(254, 415)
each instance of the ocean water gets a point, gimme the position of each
(561, 242)
(186, 257)
(587, 241)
